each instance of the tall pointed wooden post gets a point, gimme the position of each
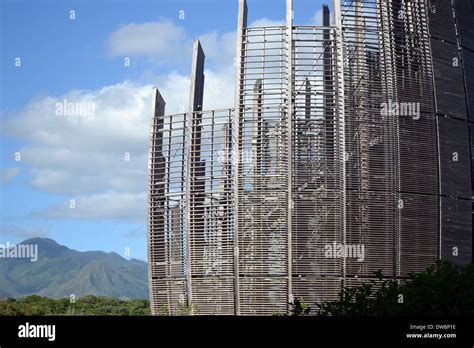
(195, 167)
(157, 256)
(339, 72)
(289, 125)
(237, 141)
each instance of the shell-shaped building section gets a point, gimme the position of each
(328, 168)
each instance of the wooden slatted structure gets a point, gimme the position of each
(335, 139)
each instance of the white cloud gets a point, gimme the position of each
(218, 90)
(78, 155)
(83, 157)
(266, 22)
(111, 205)
(8, 174)
(162, 41)
(220, 49)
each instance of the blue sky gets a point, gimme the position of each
(72, 158)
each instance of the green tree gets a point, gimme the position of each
(443, 289)
(299, 308)
(87, 305)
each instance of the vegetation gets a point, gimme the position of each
(444, 289)
(182, 310)
(87, 305)
(299, 308)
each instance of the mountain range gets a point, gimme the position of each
(60, 272)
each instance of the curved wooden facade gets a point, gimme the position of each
(341, 157)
